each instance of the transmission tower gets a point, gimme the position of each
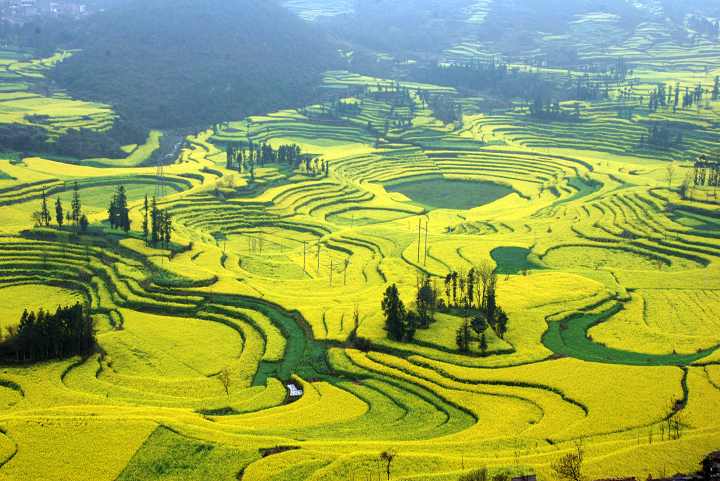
(160, 190)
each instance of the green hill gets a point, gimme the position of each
(185, 63)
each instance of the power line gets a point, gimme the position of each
(160, 189)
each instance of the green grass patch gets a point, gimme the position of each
(167, 455)
(450, 194)
(573, 342)
(513, 260)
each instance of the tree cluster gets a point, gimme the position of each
(707, 172)
(704, 26)
(445, 109)
(43, 217)
(67, 332)
(157, 224)
(477, 284)
(547, 109)
(237, 157)
(75, 143)
(476, 76)
(463, 288)
(661, 138)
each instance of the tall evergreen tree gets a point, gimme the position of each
(113, 213)
(122, 209)
(76, 205)
(230, 156)
(395, 313)
(154, 216)
(45, 212)
(716, 88)
(59, 212)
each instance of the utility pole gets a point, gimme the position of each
(331, 271)
(345, 272)
(318, 256)
(352, 222)
(426, 236)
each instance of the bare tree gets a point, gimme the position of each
(388, 456)
(669, 173)
(485, 271)
(674, 419)
(225, 379)
(569, 466)
(37, 217)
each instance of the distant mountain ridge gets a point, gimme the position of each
(188, 63)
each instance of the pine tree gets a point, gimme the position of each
(123, 216)
(230, 156)
(44, 212)
(59, 212)
(155, 219)
(76, 206)
(491, 307)
(167, 228)
(716, 88)
(84, 223)
(113, 213)
(395, 313)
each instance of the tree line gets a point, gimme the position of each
(237, 158)
(156, 225)
(473, 291)
(706, 172)
(44, 335)
(44, 217)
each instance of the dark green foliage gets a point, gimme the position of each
(84, 223)
(502, 320)
(479, 325)
(67, 332)
(395, 313)
(76, 205)
(59, 212)
(424, 300)
(412, 322)
(155, 222)
(77, 144)
(483, 345)
(233, 59)
(462, 336)
(44, 211)
(118, 211)
(490, 307)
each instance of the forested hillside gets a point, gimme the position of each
(173, 64)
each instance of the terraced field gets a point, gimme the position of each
(609, 277)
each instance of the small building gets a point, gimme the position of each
(294, 391)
